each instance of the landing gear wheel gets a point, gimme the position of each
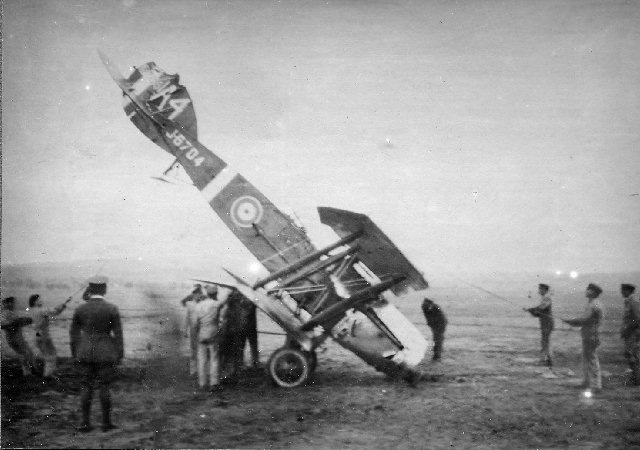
(289, 367)
(311, 355)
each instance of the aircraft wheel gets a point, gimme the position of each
(289, 367)
(311, 355)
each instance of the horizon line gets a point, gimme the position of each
(153, 262)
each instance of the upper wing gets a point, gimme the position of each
(377, 251)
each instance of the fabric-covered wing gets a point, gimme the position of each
(377, 251)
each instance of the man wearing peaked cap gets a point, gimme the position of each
(208, 318)
(191, 325)
(41, 316)
(589, 324)
(630, 331)
(543, 312)
(97, 346)
(437, 321)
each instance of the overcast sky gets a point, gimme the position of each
(479, 135)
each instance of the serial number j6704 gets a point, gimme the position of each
(182, 143)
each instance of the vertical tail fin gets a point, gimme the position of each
(162, 109)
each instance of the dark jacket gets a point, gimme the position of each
(544, 313)
(96, 332)
(434, 316)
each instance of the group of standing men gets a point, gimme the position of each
(96, 343)
(218, 322)
(37, 315)
(589, 323)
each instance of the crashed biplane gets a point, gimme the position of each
(341, 291)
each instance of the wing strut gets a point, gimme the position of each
(311, 270)
(261, 233)
(321, 299)
(338, 309)
(305, 260)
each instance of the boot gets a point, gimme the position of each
(85, 426)
(412, 377)
(634, 379)
(105, 403)
(108, 427)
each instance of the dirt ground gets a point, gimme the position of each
(488, 392)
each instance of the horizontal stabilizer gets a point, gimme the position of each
(377, 251)
(175, 173)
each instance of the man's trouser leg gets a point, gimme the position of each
(214, 365)
(203, 364)
(105, 403)
(237, 354)
(106, 374)
(226, 342)
(48, 350)
(88, 377)
(591, 365)
(632, 354)
(25, 355)
(545, 352)
(252, 337)
(193, 356)
(438, 340)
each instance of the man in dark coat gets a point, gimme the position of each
(630, 331)
(97, 345)
(437, 321)
(239, 327)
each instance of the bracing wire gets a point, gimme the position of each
(500, 297)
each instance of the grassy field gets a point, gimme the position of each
(488, 392)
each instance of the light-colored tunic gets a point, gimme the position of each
(589, 324)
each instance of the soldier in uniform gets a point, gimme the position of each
(630, 331)
(41, 316)
(589, 323)
(208, 319)
(97, 345)
(190, 326)
(437, 321)
(239, 327)
(12, 324)
(543, 312)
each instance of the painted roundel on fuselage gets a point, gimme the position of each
(246, 210)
